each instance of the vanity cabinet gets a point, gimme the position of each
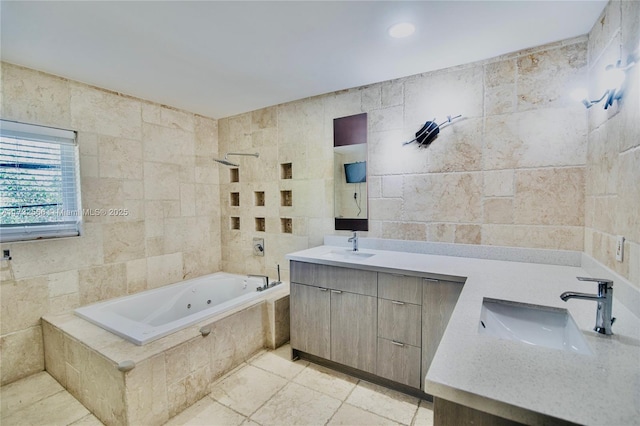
(385, 324)
(399, 328)
(339, 306)
(439, 298)
(310, 319)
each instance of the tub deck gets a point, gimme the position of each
(84, 358)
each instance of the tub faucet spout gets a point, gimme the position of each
(264, 277)
(604, 298)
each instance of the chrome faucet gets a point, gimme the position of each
(354, 240)
(266, 281)
(604, 299)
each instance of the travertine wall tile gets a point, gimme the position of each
(544, 76)
(498, 183)
(498, 210)
(102, 282)
(104, 112)
(534, 236)
(123, 241)
(34, 97)
(458, 195)
(22, 354)
(23, 303)
(552, 196)
(613, 159)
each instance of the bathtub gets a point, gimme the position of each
(149, 315)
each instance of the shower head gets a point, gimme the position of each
(226, 162)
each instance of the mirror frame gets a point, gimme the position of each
(351, 130)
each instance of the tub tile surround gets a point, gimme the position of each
(171, 373)
(150, 159)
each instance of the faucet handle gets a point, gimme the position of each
(600, 281)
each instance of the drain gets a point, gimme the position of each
(208, 302)
(189, 306)
(481, 322)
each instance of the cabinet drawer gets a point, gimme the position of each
(399, 321)
(398, 362)
(336, 278)
(400, 287)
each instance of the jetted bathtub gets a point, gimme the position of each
(150, 315)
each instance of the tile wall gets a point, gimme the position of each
(154, 161)
(612, 200)
(512, 172)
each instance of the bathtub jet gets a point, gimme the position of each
(226, 161)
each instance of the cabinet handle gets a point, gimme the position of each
(433, 280)
(336, 291)
(323, 289)
(398, 343)
(395, 302)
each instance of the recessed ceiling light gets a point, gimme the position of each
(402, 29)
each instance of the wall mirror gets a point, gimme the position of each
(350, 173)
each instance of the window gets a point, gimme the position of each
(39, 182)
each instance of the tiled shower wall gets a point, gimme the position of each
(152, 160)
(613, 156)
(511, 172)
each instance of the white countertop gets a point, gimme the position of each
(512, 379)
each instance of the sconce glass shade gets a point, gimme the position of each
(614, 78)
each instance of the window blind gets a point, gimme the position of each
(39, 182)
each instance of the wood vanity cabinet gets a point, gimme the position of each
(399, 328)
(439, 298)
(339, 307)
(385, 324)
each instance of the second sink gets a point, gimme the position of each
(532, 324)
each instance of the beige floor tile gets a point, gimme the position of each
(296, 405)
(385, 402)
(247, 389)
(424, 416)
(349, 415)
(279, 362)
(58, 409)
(327, 381)
(27, 391)
(207, 412)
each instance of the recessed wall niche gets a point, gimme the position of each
(260, 224)
(259, 198)
(234, 199)
(234, 175)
(286, 199)
(235, 222)
(286, 171)
(286, 225)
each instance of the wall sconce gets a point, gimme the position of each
(614, 76)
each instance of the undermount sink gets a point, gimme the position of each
(346, 254)
(532, 324)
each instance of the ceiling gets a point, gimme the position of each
(223, 58)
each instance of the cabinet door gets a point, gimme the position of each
(400, 287)
(310, 319)
(439, 298)
(353, 330)
(399, 362)
(334, 277)
(399, 321)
